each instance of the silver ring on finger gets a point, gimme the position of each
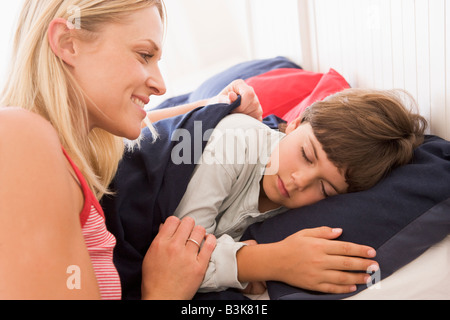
(194, 241)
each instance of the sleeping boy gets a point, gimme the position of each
(249, 172)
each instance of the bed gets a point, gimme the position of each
(406, 217)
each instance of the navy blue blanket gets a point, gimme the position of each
(148, 188)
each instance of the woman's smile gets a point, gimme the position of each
(140, 105)
(139, 101)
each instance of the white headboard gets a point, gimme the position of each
(385, 44)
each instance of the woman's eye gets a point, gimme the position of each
(146, 57)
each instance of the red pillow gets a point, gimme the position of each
(286, 93)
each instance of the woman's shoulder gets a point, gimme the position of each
(14, 115)
(27, 139)
(38, 201)
(19, 125)
(32, 162)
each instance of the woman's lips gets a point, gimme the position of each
(282, 188)
(138, 102)
(141, 101)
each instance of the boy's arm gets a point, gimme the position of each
(249, 104)
(209, 186)
(310, 260)
(156, 115)
(207, 189)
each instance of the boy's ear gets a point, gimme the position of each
(61, 40)
(293, 125)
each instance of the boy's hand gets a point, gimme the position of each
(249, 101)
(313, 261)
(309, 259)
(257, 287)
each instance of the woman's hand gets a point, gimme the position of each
(309, 259)
(174, 267)
(249, 101)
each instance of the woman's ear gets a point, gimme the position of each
(293, 125)
(61, 40)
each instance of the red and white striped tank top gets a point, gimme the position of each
(99, 241)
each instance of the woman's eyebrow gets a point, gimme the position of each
(152, 44)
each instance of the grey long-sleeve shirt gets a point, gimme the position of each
(223, 193)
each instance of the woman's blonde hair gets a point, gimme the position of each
(39, 81)
(367, 133)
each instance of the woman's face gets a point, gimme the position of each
(305, 175)
(119, 71)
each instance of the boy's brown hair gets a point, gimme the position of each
(366, 133)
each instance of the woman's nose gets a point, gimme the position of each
(156, 83)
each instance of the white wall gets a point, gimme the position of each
(274, 29)
(9, 11)
(203, 38)
(381, 44)
(387, 44)
(207, 36)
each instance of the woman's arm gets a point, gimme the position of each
(40, 232)
(249, 105)
(308, 259)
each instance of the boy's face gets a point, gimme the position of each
(305, 175)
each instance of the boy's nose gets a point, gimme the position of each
(302, 179)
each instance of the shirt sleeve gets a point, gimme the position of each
(222, 270)
(211, 182)
(209, 186)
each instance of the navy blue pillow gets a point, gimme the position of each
(401, 217)
(213, 86)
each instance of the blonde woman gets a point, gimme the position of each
(81, 73)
